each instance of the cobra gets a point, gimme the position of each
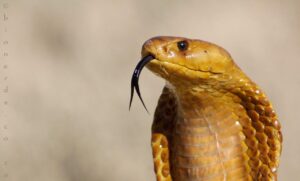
(212, 122)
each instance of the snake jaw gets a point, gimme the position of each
(135, 79)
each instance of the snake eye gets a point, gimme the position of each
(182, 45)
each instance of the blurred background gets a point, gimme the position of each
(70, 65)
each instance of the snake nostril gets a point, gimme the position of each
(165, 49)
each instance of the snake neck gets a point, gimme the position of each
(207, 141)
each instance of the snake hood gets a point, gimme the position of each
(211, 121)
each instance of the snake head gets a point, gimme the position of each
(187, 62)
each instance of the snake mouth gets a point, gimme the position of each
(135, 78)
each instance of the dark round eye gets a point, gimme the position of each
(182, 45)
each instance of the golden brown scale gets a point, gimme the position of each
(161, 129)
(212, 122)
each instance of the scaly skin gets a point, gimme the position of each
(212, 122)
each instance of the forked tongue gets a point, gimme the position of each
(135, 79)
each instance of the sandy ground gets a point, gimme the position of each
(70, 64)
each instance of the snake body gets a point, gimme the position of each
(212, 122)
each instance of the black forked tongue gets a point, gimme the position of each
(135, 79)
